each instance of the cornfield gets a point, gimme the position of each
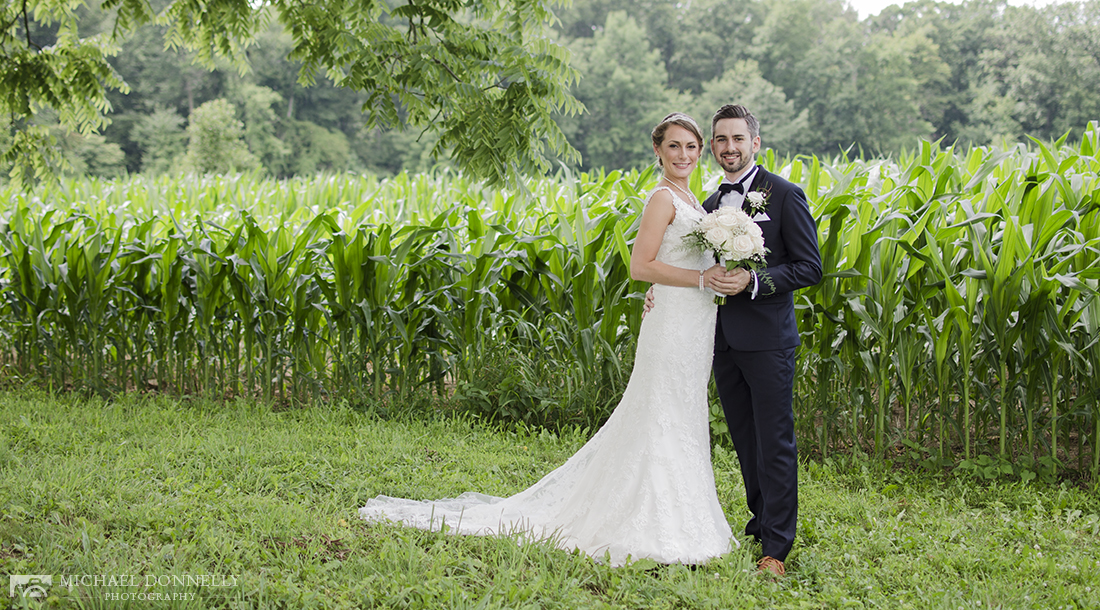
(958, 316)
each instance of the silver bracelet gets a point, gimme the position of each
(700, 281)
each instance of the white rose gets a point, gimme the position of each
(741, 247)
(756, 198)
(754, 230)
(729, 218)
(758, 243)
(718, 235)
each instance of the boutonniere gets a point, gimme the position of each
(757, 200)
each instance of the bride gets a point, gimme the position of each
(643, 486)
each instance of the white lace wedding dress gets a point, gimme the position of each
(643, 486)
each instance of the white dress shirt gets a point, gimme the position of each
(733, 197)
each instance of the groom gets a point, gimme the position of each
(756, 335)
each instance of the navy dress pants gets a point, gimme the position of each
(756, 389)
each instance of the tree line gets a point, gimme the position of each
(821, 80)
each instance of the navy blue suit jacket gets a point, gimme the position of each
(793, 261)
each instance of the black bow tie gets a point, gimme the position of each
(726, 187)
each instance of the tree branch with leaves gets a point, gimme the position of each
(484, 74)
(45, 64)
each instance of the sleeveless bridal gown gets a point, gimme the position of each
(643, 486)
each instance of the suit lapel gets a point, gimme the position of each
(711, 203)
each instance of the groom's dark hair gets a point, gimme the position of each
(736, 111)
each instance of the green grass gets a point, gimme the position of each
(155, 487)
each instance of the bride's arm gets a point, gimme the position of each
(644, 266)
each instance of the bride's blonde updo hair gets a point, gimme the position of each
(676, 118)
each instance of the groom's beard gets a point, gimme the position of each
(734, 164)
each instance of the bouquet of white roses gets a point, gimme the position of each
(733, 237)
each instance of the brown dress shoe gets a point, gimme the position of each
(770, 564)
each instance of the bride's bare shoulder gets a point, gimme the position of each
(661, 196)
(659, 209)
(662, 192)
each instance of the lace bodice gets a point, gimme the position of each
(672, 250)
(643, 486)
(675, 253)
